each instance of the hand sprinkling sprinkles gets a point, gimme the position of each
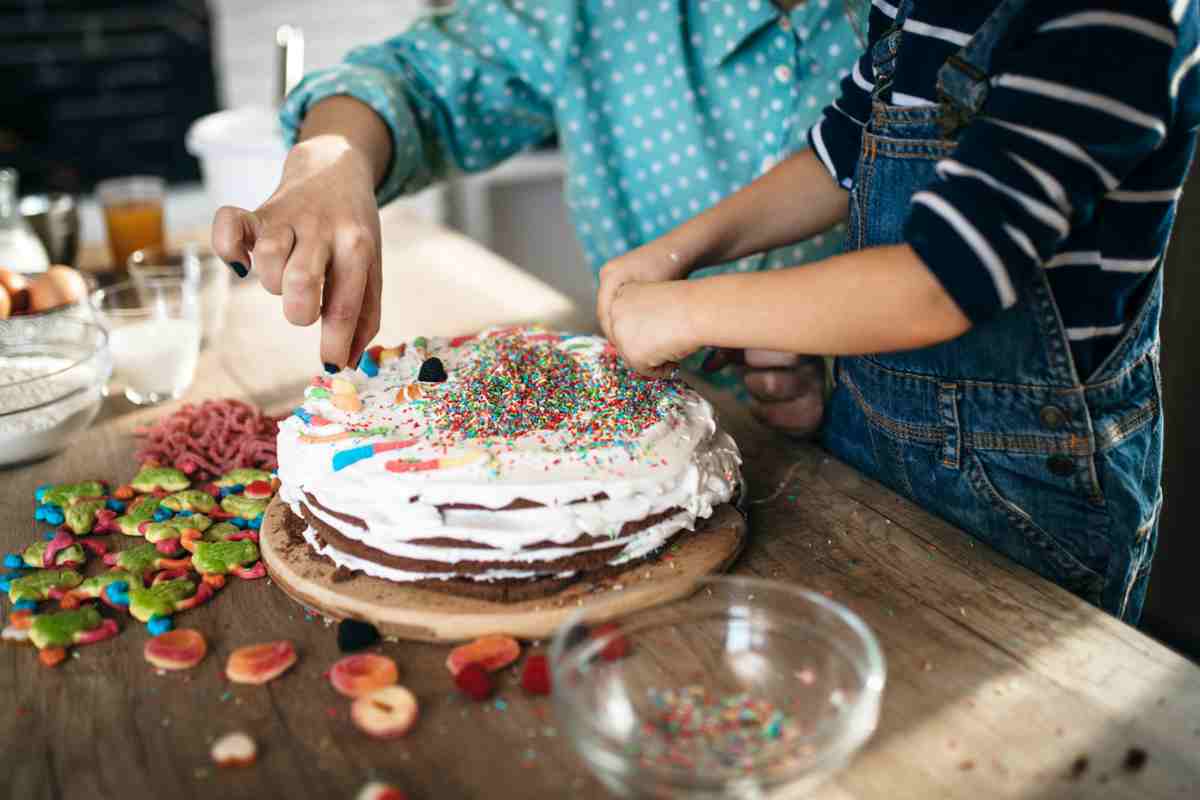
(516, 385)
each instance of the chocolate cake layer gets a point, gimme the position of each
(509, 590)
(587, 560)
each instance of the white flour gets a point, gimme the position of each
(34, 433)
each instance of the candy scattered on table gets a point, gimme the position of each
(387, 713)
(475, 682)
(234, 750)
(260, 663)
(380, 791)
(616, 646)
(535, 675)
(353, 635)
(490, 652)
(179, 649)
(362, 673)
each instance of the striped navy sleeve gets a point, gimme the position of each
(837, 137)
(1066, 120)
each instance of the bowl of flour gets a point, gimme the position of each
(52, 379)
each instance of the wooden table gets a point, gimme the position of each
(999, 684)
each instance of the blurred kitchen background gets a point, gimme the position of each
(94, 89)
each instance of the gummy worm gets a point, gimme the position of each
(445, 462)
(61, 541)
(257, 571)
(188, 538)
(345, 458)
(97, 548)
(106, 630)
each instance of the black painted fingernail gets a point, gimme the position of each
(239, 268)
(332, 369)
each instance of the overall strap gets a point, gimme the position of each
(962, 83)
(883, 52)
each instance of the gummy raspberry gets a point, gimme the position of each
(535, 677)
(475, 682)
(616, 646)
(432, 371)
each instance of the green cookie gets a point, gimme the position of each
(60, 628)
(168, 479)
(38, 585)
(171, 528)
(139, 561)
(81, 515)
(244, 507)
(34, 554)
(220, 557)
(64, 493)
(94, 586)
(190, 500)
(242, 476)
(135, 515)
(221, 531)
(159, 600)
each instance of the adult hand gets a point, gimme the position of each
(649, 326)
(651, 263)
(788, 389)
(316, 242)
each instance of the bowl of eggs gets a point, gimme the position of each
(26, 298)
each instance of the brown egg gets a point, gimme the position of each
(16, 284)
(57, 286)
(5, 303)
(13, 281)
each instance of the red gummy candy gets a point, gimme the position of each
(475, 682)
(535, 677)
(617, 646)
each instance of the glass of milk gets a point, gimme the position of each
(154, 336)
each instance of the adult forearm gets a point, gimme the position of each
(877, 300)
(351, 125)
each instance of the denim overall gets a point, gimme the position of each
(995, 431)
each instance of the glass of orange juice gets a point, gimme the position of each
(133, 214)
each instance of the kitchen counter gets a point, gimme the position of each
(999, 684)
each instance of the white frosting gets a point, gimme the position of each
(679, 462)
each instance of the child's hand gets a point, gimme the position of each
(649, 326)
(650, 263)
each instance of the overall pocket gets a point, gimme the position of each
(1049, 529)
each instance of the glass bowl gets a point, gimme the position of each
(746, 689)
(52, 378)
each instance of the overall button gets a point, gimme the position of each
(1053, 417)
(1062, 466)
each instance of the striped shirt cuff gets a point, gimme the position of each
(383, 93)
(835, 139)
(963, 260)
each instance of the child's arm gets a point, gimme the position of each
(795, 200)
(870, 301)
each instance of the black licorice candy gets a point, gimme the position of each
(354, 635)
(432, 371)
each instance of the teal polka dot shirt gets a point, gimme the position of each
(662, 107)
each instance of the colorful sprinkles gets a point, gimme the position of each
(518, 384)
(692, 728)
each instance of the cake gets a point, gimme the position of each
(505, 465)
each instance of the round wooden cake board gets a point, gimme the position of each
(409, 612)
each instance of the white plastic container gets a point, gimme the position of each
(241, 154)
